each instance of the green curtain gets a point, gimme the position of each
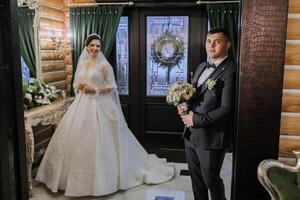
(225, 16)
(103, 20)
(26, 34)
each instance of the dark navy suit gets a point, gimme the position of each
(206, 142)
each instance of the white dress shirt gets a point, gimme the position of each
(208, 71)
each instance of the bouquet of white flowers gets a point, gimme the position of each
(37, 93)
(179, 93)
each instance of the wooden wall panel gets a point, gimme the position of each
(47, 33)
(54, 76)
(56, 55)
(294, 6)
(290, 125)
(69, 79)
(84, 1)
(60, 84)
(292, 54)
(46, 11)
(290, 103)
(293, 32)
(51, 67)
(69, 69)
(290, 118)
(45, 22)
(287, 146)
(53, 3)
(291, 79)
(68, 59)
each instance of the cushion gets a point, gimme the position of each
(285, 183)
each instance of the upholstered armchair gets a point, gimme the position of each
(280, 180)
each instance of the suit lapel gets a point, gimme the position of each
(214, 76)
(197, 74)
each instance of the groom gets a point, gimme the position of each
(209, 123)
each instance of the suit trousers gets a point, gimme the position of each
(205, 166)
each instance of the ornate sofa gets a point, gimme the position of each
(280, 180)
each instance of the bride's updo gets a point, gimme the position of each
(91, 37)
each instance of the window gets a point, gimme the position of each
(167, 39)
(122, 56)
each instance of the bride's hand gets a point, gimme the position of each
(88, 90)
(81, 86)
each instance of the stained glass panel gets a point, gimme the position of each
(122, 56)
(167, 52)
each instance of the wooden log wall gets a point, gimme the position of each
(290, 116)
(53, 49)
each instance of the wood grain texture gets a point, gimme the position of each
(69, 69)
(287, 146)
(69, 79)
(47, 11)
(290, 102)
(290, 125)
(292, 54)
(84, 1)
(293, 27)
(262, 49)
(55, 55)
(68, 59)
(291, 79)
(52, 67)
(294, 6)
(60, 85)
(45, 22)
(54, 76)
(55, 3)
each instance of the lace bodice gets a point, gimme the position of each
(100, 75)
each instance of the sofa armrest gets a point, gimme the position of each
(267, 180)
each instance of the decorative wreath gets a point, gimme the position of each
(167, 50)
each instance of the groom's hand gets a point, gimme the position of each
(180, 109)
(188, 119)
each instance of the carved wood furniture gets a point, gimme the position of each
(44, 115)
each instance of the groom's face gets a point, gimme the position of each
(217, 46)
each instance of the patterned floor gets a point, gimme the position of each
(179, 188)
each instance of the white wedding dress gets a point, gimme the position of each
(92, 151)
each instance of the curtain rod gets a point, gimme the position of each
(215, 2)
(129, 3)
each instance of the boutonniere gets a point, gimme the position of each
(210, 83)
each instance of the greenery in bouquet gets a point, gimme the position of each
(37, 93)
(179, 93)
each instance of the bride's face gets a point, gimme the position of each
(94, 48)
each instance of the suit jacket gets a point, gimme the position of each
(213, 108)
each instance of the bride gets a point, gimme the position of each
(92, 151)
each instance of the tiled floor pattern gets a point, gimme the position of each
(179, 188)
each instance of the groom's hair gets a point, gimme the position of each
(220, 30)
(91, 37)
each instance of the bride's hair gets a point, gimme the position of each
(91, 37)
